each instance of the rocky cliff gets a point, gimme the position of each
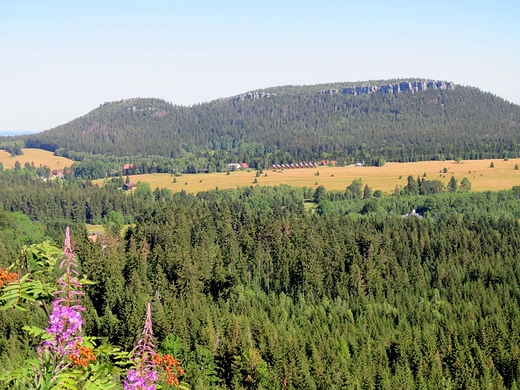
(398, 87)
(252, 95)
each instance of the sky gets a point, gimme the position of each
(61, 59)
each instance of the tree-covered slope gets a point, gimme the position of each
(301, 123)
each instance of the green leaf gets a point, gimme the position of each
(8, 304)
(34, 330)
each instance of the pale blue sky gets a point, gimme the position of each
(61, 59)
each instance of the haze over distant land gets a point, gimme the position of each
(61, 61)
(20, 132)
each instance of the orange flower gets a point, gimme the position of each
(82, 356)
(171, 366)
(7, 277)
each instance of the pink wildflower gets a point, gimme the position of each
(145, 374)
(65, 319)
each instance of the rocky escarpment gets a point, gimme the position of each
(253, 95)
(398, 87)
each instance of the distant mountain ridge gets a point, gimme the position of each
(14, 133)
(396, 120)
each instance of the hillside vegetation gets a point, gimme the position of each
(287, 124)
(279, 287)
(251, 291)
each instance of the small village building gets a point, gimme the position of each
(413, 214)
(58, 173)
(129, 169)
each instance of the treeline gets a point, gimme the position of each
(291, 127)
(251, 290)
(59, 203)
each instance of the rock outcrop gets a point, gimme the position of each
(402, 86)
(253, 95)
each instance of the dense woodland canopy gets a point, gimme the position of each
(286, 288)
(294, 124)
(250, 289)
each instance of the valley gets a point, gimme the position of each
(386, 178)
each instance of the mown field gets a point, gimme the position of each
(385, 178)
(38, 156)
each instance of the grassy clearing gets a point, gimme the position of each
(386, 178)
(38, 156)
(97, 229)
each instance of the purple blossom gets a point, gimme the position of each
(136, 380)
(64, 332)
(145, 374)
(65, 327)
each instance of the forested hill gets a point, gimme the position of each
(417, 120)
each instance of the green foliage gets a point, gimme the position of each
(320, 194)
(60, 203)
(465, 184)
(36, 287)
(113, 222)
(172, 345)
(354, 191)
(251, 290)
(201, 371)
(325, 208)
(411, 187)
(375, 128)
(367, 192)
(452, 184)
(13, 148)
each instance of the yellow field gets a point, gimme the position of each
(386, 178)
(38, 156)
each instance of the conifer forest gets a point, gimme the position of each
(266, 287)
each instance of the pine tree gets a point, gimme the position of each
(367, 192)
(452, 184)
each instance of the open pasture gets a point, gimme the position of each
(38, 156)
(385, 178)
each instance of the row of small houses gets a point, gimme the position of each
(305, 164)
(128, 168)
